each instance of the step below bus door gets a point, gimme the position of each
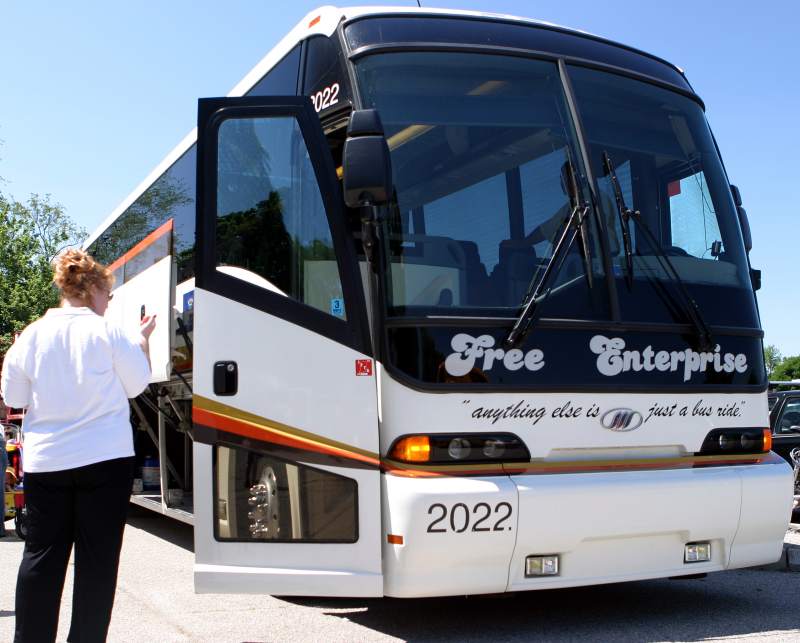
(287, 484)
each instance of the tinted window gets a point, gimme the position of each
(171, 196)
(496, 33)
(478, 144)
(259, 497)
(669, 171)
(325, 79)
(790, 417)
(272, 228)
(281, 80)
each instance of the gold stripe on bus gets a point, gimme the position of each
(394, 467)
(257, 421)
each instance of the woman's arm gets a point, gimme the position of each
(132, 356)
(15, 385)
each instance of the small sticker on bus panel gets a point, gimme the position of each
(364, 367)
(337, 307)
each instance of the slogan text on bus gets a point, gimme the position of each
(612, 358)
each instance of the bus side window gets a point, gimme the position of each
(693, 221)
(272, 228)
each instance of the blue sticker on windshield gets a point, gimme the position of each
(337, 307)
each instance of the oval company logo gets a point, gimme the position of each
(621, 420)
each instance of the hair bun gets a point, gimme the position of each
(77, 274)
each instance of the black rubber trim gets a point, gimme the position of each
(531, 25)
(523, 53)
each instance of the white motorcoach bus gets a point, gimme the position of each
(450, 303)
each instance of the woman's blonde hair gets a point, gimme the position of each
(76, 273)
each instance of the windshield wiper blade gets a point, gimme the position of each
(691, 309)
(576, 222)
(582, 224)
(624, 214)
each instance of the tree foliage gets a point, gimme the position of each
(772, 357)
(31, 235)
(788, 369)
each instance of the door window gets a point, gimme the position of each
(790, 417)
(272, 229)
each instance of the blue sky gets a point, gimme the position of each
(93, 94)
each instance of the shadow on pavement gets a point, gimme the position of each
(660, 610)
(169, 529)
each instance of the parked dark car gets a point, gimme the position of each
(784, 419)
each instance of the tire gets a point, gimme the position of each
(21, 523)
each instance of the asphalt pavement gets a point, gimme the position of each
(155, 602)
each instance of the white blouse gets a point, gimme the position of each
(74, 371)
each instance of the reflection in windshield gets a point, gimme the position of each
(478, 145)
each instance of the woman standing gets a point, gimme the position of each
(74, 371)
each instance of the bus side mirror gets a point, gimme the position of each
(744, 224)
(737, 196)
(366, 166)
(755, 278)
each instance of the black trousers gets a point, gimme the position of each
(86, 507)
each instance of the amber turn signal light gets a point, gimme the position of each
(731, 441)
(412, 448)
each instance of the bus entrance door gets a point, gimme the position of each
(287, 486)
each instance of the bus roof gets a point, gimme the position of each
(324, 21)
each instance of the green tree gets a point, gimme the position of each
(31, 234)
(788, 369)
(772, 357)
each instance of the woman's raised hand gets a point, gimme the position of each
(147, 326)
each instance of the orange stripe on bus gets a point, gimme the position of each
(266, 434)
(142, 245)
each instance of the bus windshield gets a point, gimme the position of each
(669, 170)
(479, 146)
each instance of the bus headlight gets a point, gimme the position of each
(719, 441)
(459, 449)
(452, 448)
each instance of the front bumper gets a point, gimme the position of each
(606, 527)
